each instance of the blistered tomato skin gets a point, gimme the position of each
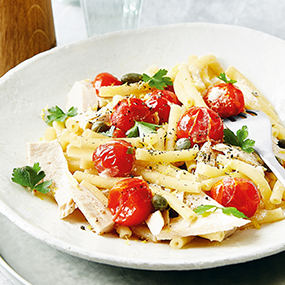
(237, 192)
(114, 158)
(104, 79)
(199, 125)
(129, 201)
(129, 110)
(118, 133)
(225, 99)
(160, 101)
(168, 95)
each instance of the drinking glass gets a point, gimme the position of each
(104, 16)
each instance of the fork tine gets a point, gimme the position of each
(232, 119)
(243, 115)
(234, 123)
(251, 112)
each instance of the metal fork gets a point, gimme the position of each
(259, 129)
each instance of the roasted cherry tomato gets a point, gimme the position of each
(237, 192)
(170, 88)
(225, 99)
(114, 158)
(130, 201)
(129, 110)
(105, 79)
(159, 101)
(118, 133)
(168, 95)
(200, 124)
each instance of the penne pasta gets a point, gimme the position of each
(186, 90)
(171, 170)
(124, 90)
(208, 170)
(166, 156)
(269, 216)
(160, 144)
(79, 153)
(170, 182)
(73, 126)
(179, 242)
(100, 182)
(63, 139)
(277, 193)
(175, 113)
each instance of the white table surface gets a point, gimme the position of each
(39, 263)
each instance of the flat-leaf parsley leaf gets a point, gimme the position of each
(30, 177)
(141, 129)
(223, 77)
(158, 80)
(206, 210)
(57, 115)
(240, 139)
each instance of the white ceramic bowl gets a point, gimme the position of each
(47, 78)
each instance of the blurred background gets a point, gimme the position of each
(65, 21)
(263, 15)
(41, 264)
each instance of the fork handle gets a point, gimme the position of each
(274, 166)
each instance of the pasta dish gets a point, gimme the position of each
(148, 156)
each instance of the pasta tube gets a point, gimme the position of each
(166, 156)
(179, 242)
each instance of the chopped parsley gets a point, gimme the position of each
(240, 139)
(141, 129)
(30, 177)
(158, 80)
(223, 77)
(57, 115)
(206, 210)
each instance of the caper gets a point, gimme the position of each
(281, 143)
(159, 202)
(99, 127)
(131, 78)
(182, 143)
